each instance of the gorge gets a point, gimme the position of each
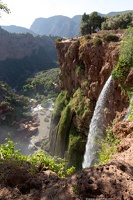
(90, 72)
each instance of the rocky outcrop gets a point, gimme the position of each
(113, 180)
(85, 66)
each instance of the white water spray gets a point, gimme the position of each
(129, 110)
(97, 125)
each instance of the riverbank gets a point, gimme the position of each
(30, 141)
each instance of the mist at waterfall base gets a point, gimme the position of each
(97, 126)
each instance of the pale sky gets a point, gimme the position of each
(24, 12)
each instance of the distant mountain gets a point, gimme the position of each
(56, 25)
(119, 12)
(61, 25)
(17, 29)
(23, 55)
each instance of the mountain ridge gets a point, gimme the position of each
(57, 25)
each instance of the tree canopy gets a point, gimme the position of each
(90, 23)
(119, 21)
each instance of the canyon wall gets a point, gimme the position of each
(85, 65)
(23, 55)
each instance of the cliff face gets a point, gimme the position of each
(85, 67)
(17, 46)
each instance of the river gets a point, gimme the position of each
(31, 143)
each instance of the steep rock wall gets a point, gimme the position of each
(85, 67)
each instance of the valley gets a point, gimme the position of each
(67, 103)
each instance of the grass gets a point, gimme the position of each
(108, 147)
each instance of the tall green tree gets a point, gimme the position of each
(85, 26)
(95, 21)
(90, 23)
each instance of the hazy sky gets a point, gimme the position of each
(24, 12)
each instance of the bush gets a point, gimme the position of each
(58, 40)
(8, 154)
(97, 41)
(108, 147)
(110, 38)
(125, 62)
(88, 37)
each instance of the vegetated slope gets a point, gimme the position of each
(13, 107)
(43, 84)
(22, 55)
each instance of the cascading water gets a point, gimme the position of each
(97, 125)
(129, 109)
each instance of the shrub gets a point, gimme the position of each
(97, 41)
(130, 116)
(8, 154)
(125, 62)
(111, 38)
(108, 147)
(58, 40)
(88, 37)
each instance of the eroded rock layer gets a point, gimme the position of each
(85, 66)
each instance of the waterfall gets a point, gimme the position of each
(129, 109)
(97, 125)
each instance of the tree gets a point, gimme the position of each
(4, 8)
(119, 21)
(85, 26)
(90, 23)
(96, 21)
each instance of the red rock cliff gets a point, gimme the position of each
(85, 65)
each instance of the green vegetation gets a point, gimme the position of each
(80, 105)
(65, 121)
(130, 116)
(110, 38)
(88, 37)
(36, 162)
(58, 40)
(60, 104)
(125, 63)
(108, 147)
(90, 23)
(80, 68)
(63, 129)
(120, 21)
(43, 85)
(97, 41)
(16, 71)
(76, 148)
(69, 141)
(93, 22)
(12, 105)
